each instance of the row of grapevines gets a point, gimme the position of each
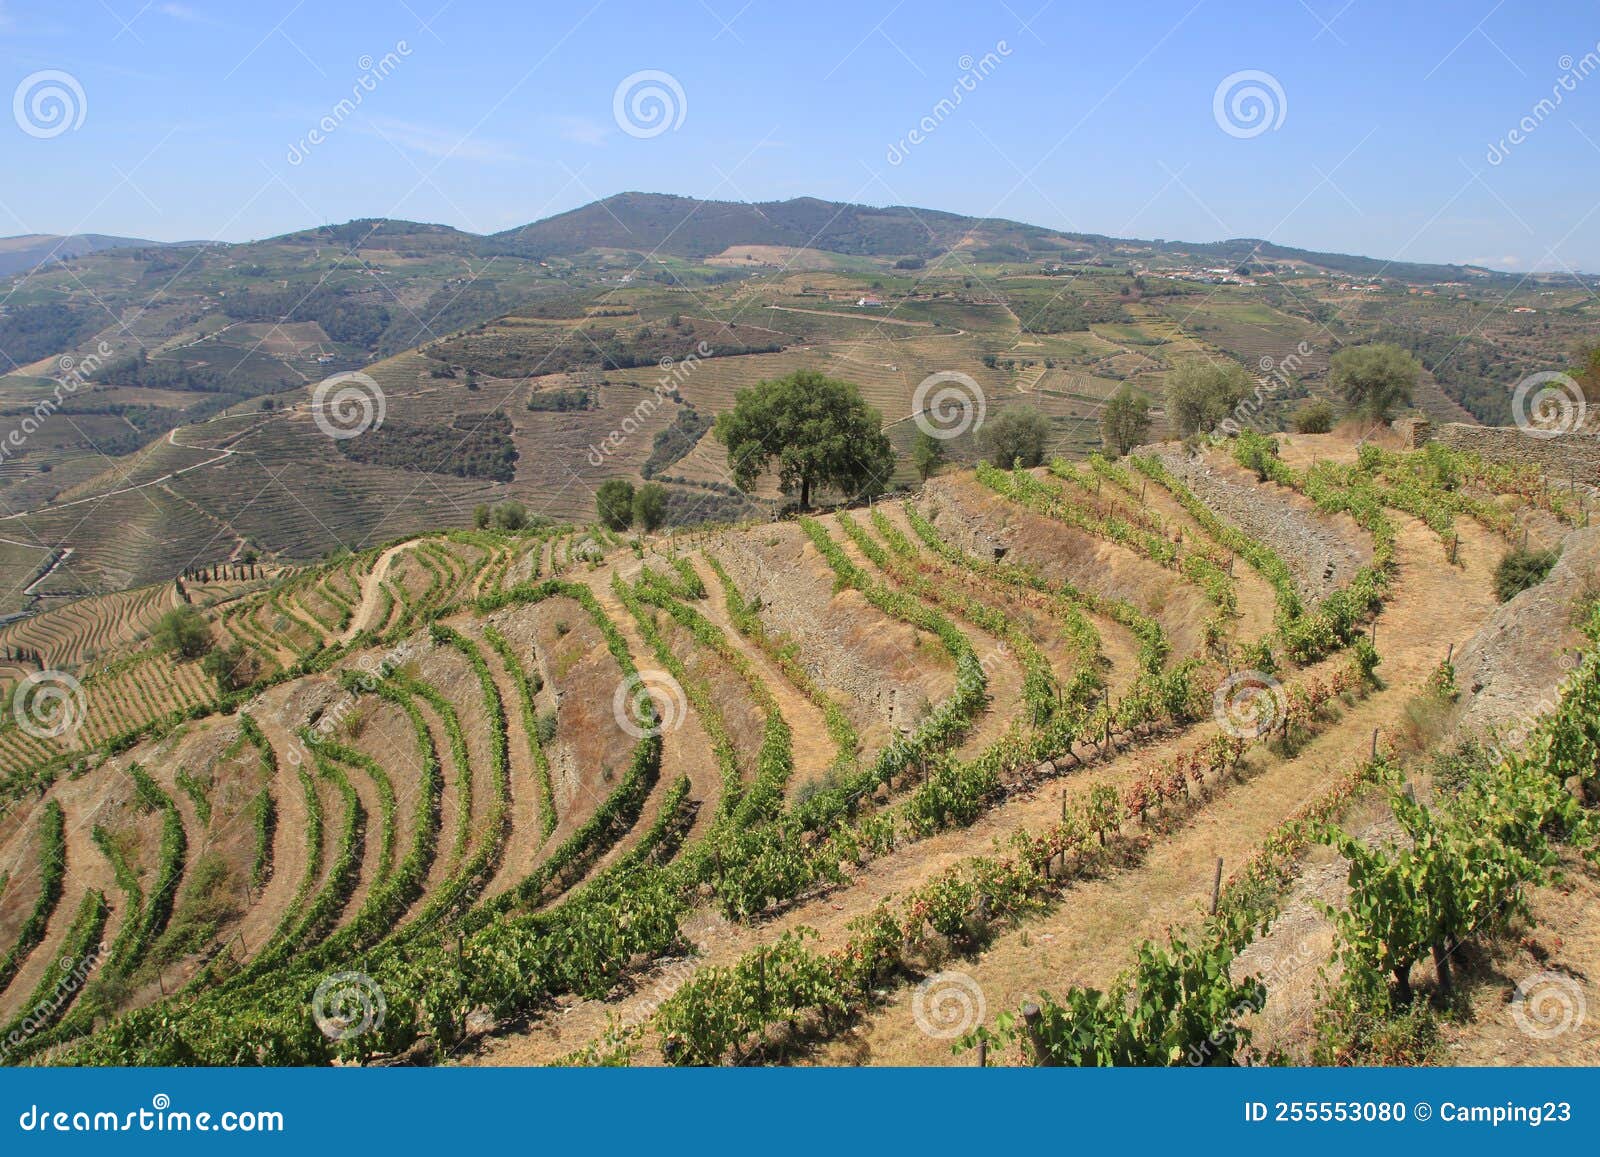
(52, 872)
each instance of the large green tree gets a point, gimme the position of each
(1017, 434)
(649, 506)
(1375, 379)
(614, 503)
(818, 430)
(1125, 421)
(1201, 394)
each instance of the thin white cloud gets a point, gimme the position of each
(582, 130)
(437, 142)
(185, 13)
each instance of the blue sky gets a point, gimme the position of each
(1091, 117)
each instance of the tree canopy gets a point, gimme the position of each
(819, 430)
(1125, 421)
(614, 503)
(1375, 379)
(1201, 394)
(1017, 434)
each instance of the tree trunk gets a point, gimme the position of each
(1402, 985)
(1441, 965)
(805, 494)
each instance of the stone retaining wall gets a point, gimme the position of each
(1565, 456)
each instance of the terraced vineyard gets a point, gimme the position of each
(766, 793)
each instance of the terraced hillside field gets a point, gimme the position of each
(839, 789)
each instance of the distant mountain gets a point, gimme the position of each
(692, 228)
(688, 227)
(19, 254)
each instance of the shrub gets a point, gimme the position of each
(649, 506)
(1521, 569)
(1020, 434)
(614, 503)
(183, 630)
(1314, 417)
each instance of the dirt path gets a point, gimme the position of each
(289, 856)
(371, 594)
(87, 869)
